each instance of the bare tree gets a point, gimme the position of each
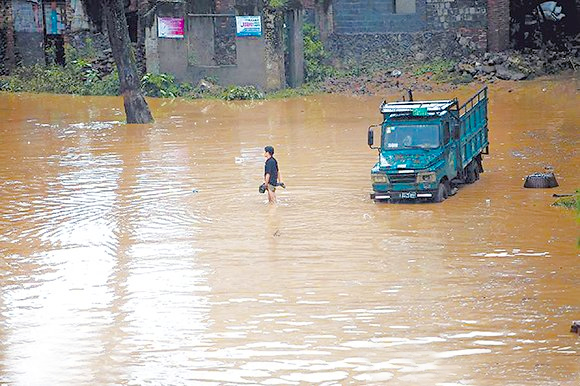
(136, 108)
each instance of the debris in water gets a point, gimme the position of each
(541, 180)
(575, 328)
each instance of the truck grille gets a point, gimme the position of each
(403, 178)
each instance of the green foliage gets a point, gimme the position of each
(306, 89)
(571, 202)
(4, 82)
(315, 57)
(435, 67)
(85, 51)
(567, 202)
(77, 77)
(242, 93)
(160, 85)
(107, 85)
(277, 4)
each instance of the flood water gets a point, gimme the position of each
(145, 255)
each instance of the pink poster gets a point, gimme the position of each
(170, 27)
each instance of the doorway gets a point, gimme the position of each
(294, 47)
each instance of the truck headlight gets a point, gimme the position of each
(426, 177)
(379, 178)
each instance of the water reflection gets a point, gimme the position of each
(145, 254)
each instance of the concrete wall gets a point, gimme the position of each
(499, 24)
(168, 55)
(384, 50)
(375, 16)
(193, 58)
(249, 70)
(210, 40)
(467, 18)
(367, 31)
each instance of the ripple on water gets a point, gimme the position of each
(457, 353)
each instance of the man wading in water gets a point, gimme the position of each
(271, 174)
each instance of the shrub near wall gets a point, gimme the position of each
(74, 78)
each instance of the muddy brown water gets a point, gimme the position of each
(141, 255)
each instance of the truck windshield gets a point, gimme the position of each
(424, 136)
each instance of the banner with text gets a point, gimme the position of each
(248, 26)
(171, 27)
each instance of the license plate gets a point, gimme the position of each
(409, 195)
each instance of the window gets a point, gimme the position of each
(411, 136)
(405, 7)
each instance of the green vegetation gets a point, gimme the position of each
(77, 77)
(277, 4)
(82, 76)
(571, 202)
(306, 89)
(85, 74)
(161, 85)
(242, 93)
(315, 57)
(439, 70)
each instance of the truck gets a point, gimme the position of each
(428, 149)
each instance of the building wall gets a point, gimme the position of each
(499, 24)
(210, 48)
(371, 30)
(375, 16)
(468, 18)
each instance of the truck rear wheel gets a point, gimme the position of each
(441, 193)
(472, 172)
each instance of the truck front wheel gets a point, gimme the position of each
(441, 193)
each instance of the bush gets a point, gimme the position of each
(108, 85)
(440, 71)
(315, 56)
(77, 77)
(304, 90)
(242, 93)
(160, 85)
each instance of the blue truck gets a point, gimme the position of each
(429, 148)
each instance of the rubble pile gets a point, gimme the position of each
(512, 65)
(519, 65)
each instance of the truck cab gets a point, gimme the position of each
(428, 148)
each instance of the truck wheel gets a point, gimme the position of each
(441, 193)
(472, 173)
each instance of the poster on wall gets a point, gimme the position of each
(27, 16)
(248, 26)
(171, 27)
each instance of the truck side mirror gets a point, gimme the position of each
(371, 137)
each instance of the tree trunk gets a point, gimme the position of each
(136, 108)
